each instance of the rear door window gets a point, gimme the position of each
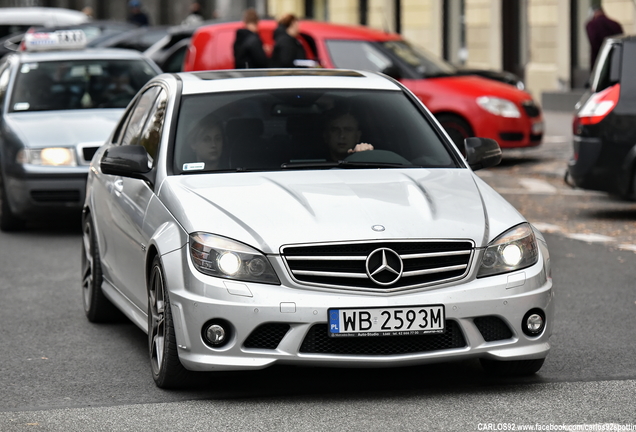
(606, 72)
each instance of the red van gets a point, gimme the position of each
(464, 105)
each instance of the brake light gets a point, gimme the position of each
(599, 105)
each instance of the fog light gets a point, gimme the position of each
(216, 333)
(533, 322)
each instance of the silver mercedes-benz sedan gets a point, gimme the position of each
(309, 217)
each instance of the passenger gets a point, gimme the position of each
(287, 47)
(207, 144)
(342, 135)
(248, 47)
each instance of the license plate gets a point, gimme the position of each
(397, 321)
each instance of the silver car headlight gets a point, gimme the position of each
(499, 106)
(50, 156)
(221, 257)
(513, 250)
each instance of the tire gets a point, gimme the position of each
(96, 305)
(457, 128)
(167, 370)
(512, 367)
(8, 221)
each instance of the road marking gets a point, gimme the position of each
(591, 238)
(550, 139)
(627, 247)
(546, 227)
(537, 186)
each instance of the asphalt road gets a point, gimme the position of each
(58, 372)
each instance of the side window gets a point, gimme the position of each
(138, 116)
(607, 70)
(151, 133)
(357, 55)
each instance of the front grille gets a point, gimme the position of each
(88, 153)
(55, 196)
(318, 342)
(536, 137)
(267, 336)
(492, 328)
(531, 109)
(352, 265)
(511, 136)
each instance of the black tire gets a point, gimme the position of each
(8, 221)
(167, 370)
(96, 305)
(457, 128)
(512, 367)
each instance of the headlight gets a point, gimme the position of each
(513, 250)
(225, 258)
(499, 106)
(51, 156)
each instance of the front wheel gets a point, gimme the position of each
(167, 370)
(96, 306)
(8, 221)
(457, 128)
(511, 367)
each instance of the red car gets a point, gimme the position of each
(464, 105)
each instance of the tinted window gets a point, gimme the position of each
(138, 117)
(304, 129)
(151, 133)
(357, 55)
(78, 84)
(607, 66)
(424, 63)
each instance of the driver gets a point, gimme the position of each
(342, 135)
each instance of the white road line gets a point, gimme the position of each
(555, 139)
(537, 186)
(591, 238)
(546, 227)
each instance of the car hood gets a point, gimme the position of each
(268, 210)
(63, 128)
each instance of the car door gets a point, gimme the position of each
(126, 205)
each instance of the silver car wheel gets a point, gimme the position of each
(156, 316)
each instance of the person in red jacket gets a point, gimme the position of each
(598, 28)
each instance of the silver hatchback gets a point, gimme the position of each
(308, 217)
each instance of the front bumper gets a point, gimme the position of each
(35, 191)
(292, 310)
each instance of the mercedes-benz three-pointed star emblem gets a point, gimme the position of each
(384, 266)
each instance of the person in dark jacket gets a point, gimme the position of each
(598, 28)
(287, 47)
(136, 15)
(248, 47)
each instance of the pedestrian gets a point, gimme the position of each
(88, 11)
(287, 47)
(136, 15)
(195, 17)
(598, 28)
(248, 47)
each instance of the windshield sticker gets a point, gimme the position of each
(194, 166)
(21, 106)
(28, 67)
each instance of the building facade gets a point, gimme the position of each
(542, 41)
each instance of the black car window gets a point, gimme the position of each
(606, 69)
(151, 133)
(424, 63)
(305, 129)
(78, 84)
(138, 117)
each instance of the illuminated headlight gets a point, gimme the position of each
(225, 258)
(499, 106)
(51, 156)
(513, 250)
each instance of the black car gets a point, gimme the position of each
(604, 125)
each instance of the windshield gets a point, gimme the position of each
(305, 129)
(425, 63)
(78, 84)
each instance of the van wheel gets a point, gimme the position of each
(8, 221)
(457, 128)
(511, 367)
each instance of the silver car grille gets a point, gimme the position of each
(379, 266)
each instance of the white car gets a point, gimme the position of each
(309, 217)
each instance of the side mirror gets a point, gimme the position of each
(393, 71)
(482, 152)
(127, 161)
